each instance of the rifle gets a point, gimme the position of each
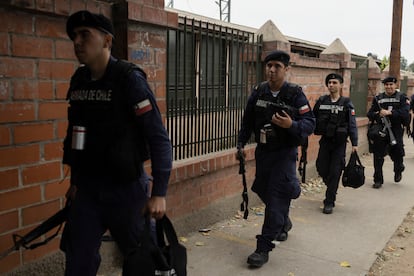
(387, 128)
(56, 220)
(245, 197)
(279, 107)
(408, 127)
(303, 160)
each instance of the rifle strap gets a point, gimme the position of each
(245, 202)
(245, 197)
(35, 245)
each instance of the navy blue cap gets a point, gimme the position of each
(278, 56)
(87, 19)
(333, 76)
(389, 79)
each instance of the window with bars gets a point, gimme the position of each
(211, 70)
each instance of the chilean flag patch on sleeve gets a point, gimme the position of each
(142, 107)
(353, 112)
(304, 109)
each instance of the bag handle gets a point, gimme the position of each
(164, 225)
(357, 158)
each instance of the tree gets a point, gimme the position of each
(403, 63)
(384, 62)
(411, 67)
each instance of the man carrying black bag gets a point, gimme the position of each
(335, 122)
(113, 116)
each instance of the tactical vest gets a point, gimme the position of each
(113, 144)
(278, 136)
(392, 102)
(332, 118)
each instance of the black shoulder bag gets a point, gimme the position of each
(353, 175)
(150, 259)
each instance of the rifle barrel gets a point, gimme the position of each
(387, 125)
(8, 251)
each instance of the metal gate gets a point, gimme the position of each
(404, 85)
(211, 69)
(359, 87)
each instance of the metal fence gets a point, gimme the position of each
(359, 87)
(211, 69)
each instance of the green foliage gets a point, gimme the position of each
(403, 63)
(384, 62)
(410, 67)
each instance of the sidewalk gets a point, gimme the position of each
(363, 221)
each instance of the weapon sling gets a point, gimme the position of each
(245, 202)
(23, 241)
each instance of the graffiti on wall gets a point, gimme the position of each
(140, 54)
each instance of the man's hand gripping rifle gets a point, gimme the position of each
(387, 128)
(279, 107)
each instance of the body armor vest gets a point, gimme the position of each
(390, 103)
(111, 138)
(266, 106)
(332, 118)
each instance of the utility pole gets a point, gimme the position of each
(395, 55)
(224, 6)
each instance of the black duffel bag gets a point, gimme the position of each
(150, 259)
(376, 132)
(354, 175)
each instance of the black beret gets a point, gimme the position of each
(389, 79)
(278, 56)
(333, 76)
(87, 19)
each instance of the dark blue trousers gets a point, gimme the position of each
(381, 148)
(276, 184)
(330, 164)
(102, 204)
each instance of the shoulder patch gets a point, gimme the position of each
(303, 109)
(143, 107)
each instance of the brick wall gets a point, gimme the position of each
(36, 62)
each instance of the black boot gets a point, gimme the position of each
(258, 258)
(328, 208)
(377, 185)
(398, 174)
(283, 235)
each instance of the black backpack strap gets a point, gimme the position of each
(78, 77)
(289, 93)
(343, 100)
(260, 89)
(124, 68)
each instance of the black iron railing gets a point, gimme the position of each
(211, 69)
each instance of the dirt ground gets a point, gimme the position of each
(398, 255)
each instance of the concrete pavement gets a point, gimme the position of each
(363, 221)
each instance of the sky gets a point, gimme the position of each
(363, 26)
